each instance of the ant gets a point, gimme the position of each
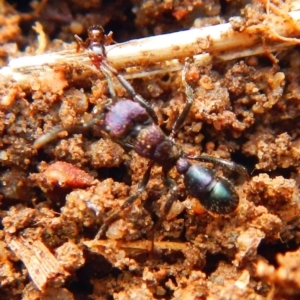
(134, 125)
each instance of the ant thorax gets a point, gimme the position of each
(127, 121)
(123, 117)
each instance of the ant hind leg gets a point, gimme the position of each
(224, 163)
(118, 214)
(173, 192)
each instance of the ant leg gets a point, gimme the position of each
(48, 137)
(53, 134)
(230, 165)
(128, 87)
(109, 39)
(78, 39)
(173, 192)
(121, 212)
(80, 43)
(110, 84)
(172, 186)
(189, 101)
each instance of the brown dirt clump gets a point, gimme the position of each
(53, 200)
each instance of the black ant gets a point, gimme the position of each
(134, 125)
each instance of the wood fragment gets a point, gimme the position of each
(99, 246)
(42, 266)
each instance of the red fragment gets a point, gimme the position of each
(66, 175)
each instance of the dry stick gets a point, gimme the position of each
(99, 246)
(220, 41)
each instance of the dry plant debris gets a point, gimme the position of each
(246, 108)
(42, 266)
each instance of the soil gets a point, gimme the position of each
(53, 200)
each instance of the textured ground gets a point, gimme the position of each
(245, 110)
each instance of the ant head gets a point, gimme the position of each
(96, 32)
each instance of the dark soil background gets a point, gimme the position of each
(53, 200)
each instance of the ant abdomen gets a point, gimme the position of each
(216, 194)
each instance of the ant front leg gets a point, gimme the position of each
(189, 102)
(105, 67)
(80, 43)
(122, 211)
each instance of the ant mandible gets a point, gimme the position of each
(133, 124)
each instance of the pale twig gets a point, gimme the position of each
(99, 246)
(219, 41)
